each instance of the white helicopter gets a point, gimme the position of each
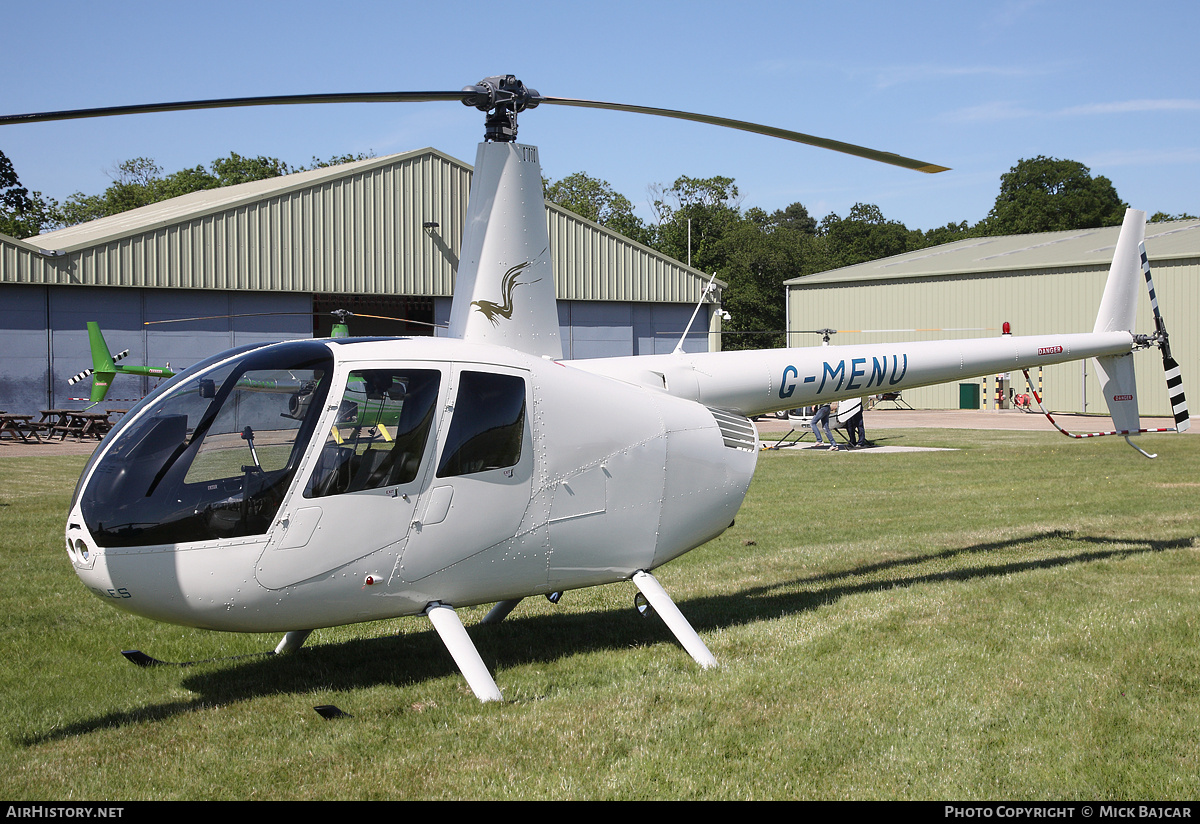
(314, 483)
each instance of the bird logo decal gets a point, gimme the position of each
(494, 311)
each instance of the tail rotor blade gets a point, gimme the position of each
(1170, 367)
(1175, 393)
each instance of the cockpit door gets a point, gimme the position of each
(361, 482)
(480, 490)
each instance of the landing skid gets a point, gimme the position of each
(291, 642)
(450, 629)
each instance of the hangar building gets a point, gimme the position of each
(268, 260)
(1038, 283)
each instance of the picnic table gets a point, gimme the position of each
(20, 427)
(84, 425)
(75, 423)
(55, 421)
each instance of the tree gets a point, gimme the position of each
(236, 169)
(14, 198)
(186, 181)
(134, 184)
(948, 234)
(704, 209)
(596, 200)
(338, 160)
(1161, 217)
(865, 234)
(794, 218)
(1046, 194)
(759, 257)
(140, 182)
(22, 213)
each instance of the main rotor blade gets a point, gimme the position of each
(466, 96)
(279, 314)
(234, 102)
(798, 137)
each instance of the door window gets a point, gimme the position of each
(379, 437)
(488, 425)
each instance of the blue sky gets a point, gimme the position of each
(972, 86)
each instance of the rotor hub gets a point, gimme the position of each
(500, 97)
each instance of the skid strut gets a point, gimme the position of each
(649, 586)
(446, 621)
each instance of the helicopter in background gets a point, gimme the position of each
(502, 471)
(105, 366)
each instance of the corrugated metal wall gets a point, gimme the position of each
(43, 332)
(360, 234)
(360, 230)
(591, 263)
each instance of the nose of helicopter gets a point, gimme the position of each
(140, 581)
(149, 582)
(89, 564)
(210, 588)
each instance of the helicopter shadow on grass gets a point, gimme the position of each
(811, 592)
(414, 657)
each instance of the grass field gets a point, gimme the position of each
(1015, 619)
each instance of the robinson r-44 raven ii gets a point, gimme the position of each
(313, 483)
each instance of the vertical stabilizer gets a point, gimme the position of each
(504, 291)
(1118, 306)
(104, 369)
(102, 360)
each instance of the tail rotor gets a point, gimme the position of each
(1117, 312)
(1160, 339)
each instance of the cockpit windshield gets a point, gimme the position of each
(214, 456)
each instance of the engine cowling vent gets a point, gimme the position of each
(738, 431)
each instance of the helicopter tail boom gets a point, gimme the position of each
(758, 382)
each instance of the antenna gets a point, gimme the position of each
(707, 291)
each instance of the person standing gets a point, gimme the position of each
(821, 419)
(856, 428)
